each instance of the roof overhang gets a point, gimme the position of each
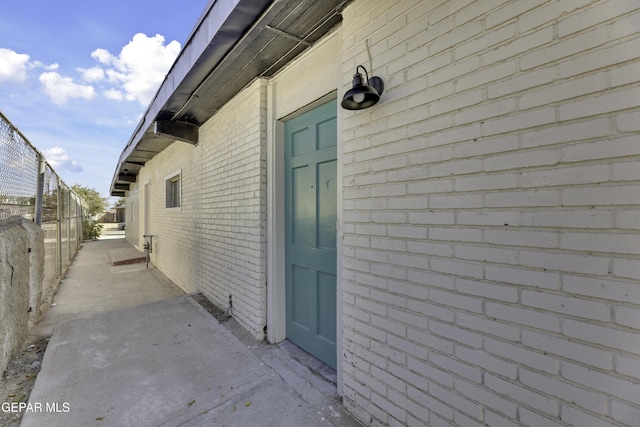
(233, 42)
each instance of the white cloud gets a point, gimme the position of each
(38, 64)
(116, 77)
(60, 160)
(13, 66)
(140, 67)
(102, 55)
(114, 94)
(133, 75)
(92, 75)
(60, 88)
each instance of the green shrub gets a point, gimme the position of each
(90, 229)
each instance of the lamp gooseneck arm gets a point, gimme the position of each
(365, 72)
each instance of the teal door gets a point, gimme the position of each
(310, 217)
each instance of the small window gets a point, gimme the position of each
(173, 191)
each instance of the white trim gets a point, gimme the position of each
(339, 248)
(276, 298)
(146, 202)
(321, 66)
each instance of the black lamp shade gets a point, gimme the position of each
(362, 95)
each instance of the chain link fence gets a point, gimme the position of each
(18, 176)
(30, 189)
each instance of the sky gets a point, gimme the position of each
(77, 76)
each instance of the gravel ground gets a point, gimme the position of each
(19, 378)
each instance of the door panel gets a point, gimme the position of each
(327, 205)
(310, 217)
(300, 294)
(326, 295)
(327, 133)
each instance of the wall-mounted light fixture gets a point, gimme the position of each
(363, 95)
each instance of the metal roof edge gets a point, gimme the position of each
(233, 42)
(221, 18)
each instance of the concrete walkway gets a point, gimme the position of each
(93, 285)
(130, 349)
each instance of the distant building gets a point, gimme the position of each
(464, 252)
(119, 214)
(106, 216)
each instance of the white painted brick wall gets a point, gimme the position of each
(491, 213)
(175, 231)
(234, 207)
(216, 242)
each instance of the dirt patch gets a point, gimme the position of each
(19, 378)
(220, 314)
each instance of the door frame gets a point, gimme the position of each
(276, 293)
(147, 206)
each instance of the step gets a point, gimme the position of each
(126, 256)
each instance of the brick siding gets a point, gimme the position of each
(491, 228)
(233, 226)
(215, 242)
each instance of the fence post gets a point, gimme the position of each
(67, 222)
(40, 189)
(69, 198)
(59, 228)
(81, 223)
